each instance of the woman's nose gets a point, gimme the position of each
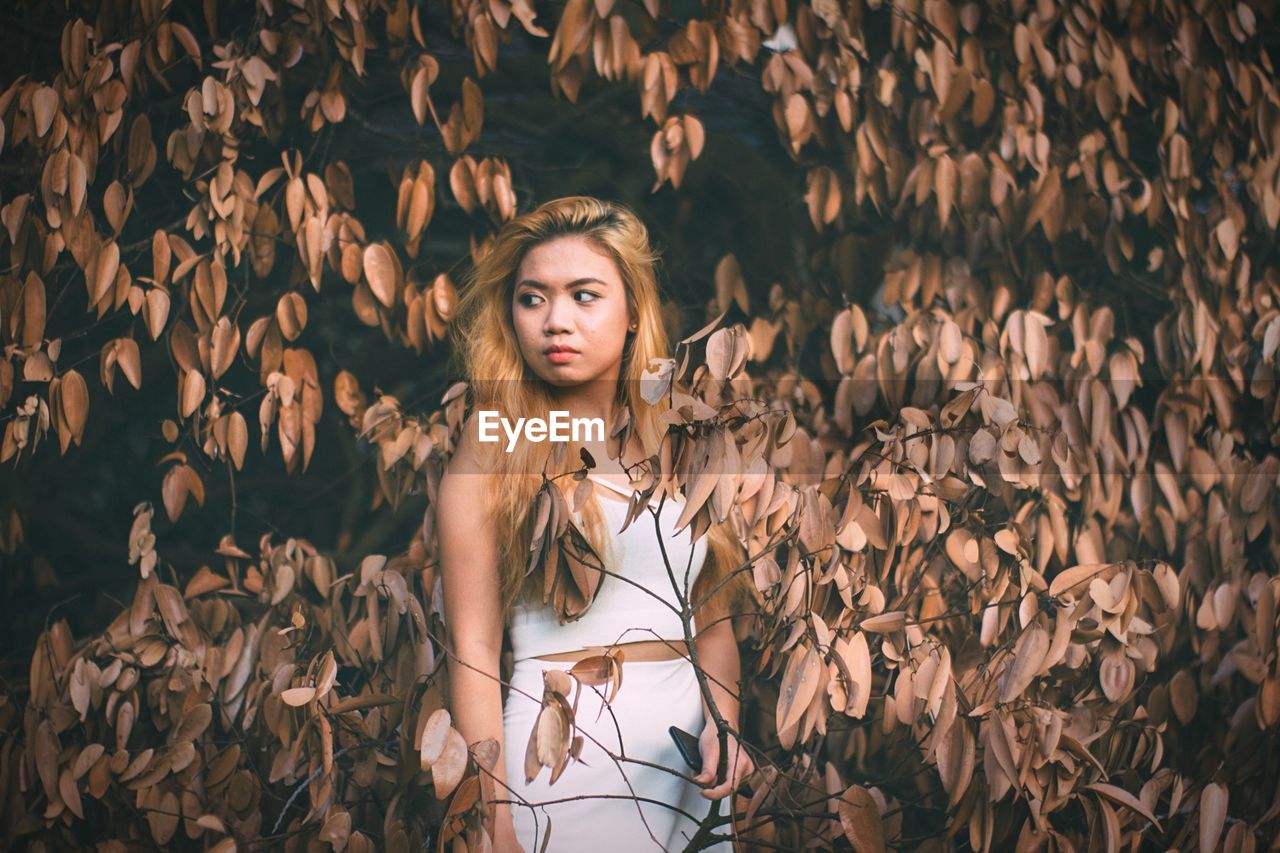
(559, 316)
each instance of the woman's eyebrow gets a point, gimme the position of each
(540, 286)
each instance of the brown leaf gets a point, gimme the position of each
(1213, 815)
(594, 670)
(842, 341)
(336, 830)
(157, 311)
(1124, 798)
(695, 136)
(447, 770)
(860, 819)
(291, 315)
(421, 201)
(419, 94)
(444, 297)
(46, 756)
(945, 179)
(956, 760)
(434, 735)
(75, 403)
(203, 582)
(380, 269)
(116, 204)
(44, 104)
(1047, 195)
(130, 360)
(884, 623)
(14, 214)
(799, 121)
(1029, 655)
(799, 682)
(174, 489)
(142, 150)
(193, 393)
(1117, 673)
(1076, 579)
(104, 277)
(720, 347)
(163, 817)
(237, 438)
(857, 659)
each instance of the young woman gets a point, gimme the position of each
(562, 313)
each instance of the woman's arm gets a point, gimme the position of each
(473, 626)
(718, 656)
(717, 649)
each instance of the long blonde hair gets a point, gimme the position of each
(484, 341)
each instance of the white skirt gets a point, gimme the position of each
(653, 696)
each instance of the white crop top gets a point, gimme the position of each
(622, 612)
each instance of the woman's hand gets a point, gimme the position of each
(738, 767)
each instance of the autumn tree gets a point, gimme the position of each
(1000, 275)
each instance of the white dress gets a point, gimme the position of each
(602, 801)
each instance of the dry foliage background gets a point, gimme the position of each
(1016, 555)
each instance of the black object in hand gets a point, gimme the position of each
(688, 746)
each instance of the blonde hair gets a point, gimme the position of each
(499, 378)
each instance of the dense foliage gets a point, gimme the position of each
(1005, 269)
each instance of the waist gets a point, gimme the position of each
(637, 650)
(616, 619)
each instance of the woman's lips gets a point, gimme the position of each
(561, 356)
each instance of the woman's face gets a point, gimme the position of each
(569, 309)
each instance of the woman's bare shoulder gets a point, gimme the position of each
(465, 476)
(467, 456)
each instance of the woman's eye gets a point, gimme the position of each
(530, 299)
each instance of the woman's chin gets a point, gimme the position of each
(560, 377)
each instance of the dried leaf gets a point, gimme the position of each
(380, 271)
(860, 819)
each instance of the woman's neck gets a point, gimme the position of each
(589, 400)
